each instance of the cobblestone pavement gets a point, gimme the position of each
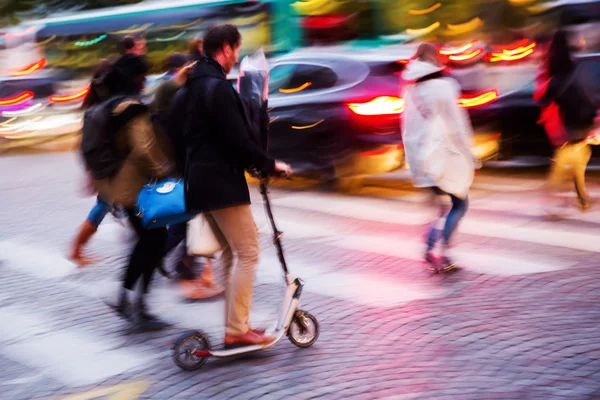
(520, 320)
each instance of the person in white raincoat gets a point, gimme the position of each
(437, 137)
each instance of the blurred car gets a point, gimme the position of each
(39, 106)
(335, 114)
(40, 83)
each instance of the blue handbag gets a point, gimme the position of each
(162, 203)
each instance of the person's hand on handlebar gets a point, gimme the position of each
(282, 169)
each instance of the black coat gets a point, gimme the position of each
(577, 111)
(213, 141)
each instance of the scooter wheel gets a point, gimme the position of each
(184, 348)
(304, 329)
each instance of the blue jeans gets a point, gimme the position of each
(99, 211)
(458, 210)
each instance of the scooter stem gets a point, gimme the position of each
(276, 233)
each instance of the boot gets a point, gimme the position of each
(448, 263)
(142, 320)
(123, 306)
(431, 261)
(86, 231)
(161, 269)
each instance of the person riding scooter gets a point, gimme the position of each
(219, 149)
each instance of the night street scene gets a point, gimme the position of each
(300, 199)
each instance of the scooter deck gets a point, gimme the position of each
(228, 352)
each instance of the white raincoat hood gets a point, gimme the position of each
(417, 69)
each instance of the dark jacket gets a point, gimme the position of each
(214, 136)
(575, 107)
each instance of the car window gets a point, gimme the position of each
(590, 74)
(280, 76)
(294, 78)
(529, 88)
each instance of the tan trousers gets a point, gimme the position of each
(235, 229)
(569, 165)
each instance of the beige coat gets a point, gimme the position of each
(436, 133)
(149, 158)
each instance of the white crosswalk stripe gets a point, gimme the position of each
(544, 233)
(72, 357)
(486, 262)
(37, 260)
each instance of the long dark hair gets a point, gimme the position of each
(125, 76)
(559, 60)
(195, 49)
(98, 91)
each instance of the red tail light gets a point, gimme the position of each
(30, 69)
(466, 56)
(18, 99)
(389, 105)
(457, 50)
(479, 100)
(383, 105)
(64, 99)
(514, 54)
(511, 46)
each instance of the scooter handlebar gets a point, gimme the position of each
(282, 174)
(264, 177)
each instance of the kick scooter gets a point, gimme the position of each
(191, 350)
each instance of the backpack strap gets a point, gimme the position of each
(123, 109)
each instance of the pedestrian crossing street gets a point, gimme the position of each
(385, 227)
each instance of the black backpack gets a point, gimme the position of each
(99, 148)
(577, 111)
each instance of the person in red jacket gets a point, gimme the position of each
(559, 91)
